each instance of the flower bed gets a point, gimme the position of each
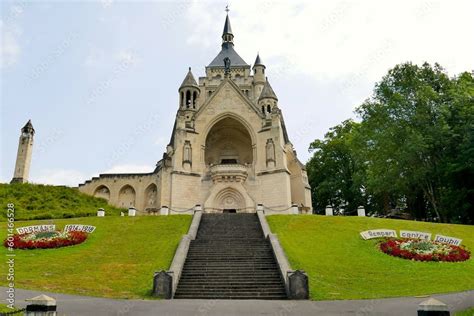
(43, 240)
(424, 250)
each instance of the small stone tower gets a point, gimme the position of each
(258, 75)
(23, 157)
(268, 99)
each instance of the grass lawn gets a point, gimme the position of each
(37, 201)
(468, 312)
(117, 260)
(5, 309)
(341, 265)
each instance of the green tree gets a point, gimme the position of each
(332, 170)
(413, 149)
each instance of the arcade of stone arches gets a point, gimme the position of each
(128, 196)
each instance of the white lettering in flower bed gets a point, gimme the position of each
(79, 228)
(448, 240)
(378, 233)
(413, 234)
(35, 229)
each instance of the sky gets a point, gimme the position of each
(99, 79)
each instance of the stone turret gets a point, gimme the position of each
(258, 75)
(268, 99)
(23, 157)
(188, 92)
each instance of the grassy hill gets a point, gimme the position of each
(117, 260)
(33, 201)
(341, 265)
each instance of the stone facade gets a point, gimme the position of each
(23, 157)
(229, 149)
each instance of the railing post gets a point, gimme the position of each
(164, 210)
(298, 286)
(294, 209)
(41, 305)
(100, 212)
(433, 307)
(329, 211)
(163, 284)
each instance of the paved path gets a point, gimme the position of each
(83, 305)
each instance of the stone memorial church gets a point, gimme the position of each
(229, 149)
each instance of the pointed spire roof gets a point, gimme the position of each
(228, 49)
(189, 80)
(267, 92)
(227, 27)
(258, 61)
(28, 128)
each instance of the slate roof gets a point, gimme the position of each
(267, 92)
(227, 27)
(189, 80)
(228, 51)
(258, 61)
(28, 127)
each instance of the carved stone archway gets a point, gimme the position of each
(102, 191)
(225, 196)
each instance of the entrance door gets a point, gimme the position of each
(229, 210)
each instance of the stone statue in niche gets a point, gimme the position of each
(270, 150)
(227, 66)
(151, 197)
(187, 152)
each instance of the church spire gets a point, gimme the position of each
(227, 36)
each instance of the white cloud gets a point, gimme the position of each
(327, 39)
(67, 177)
(95, 58)
(127, 57)
(130, 168)
(161, 141)
(73, 178)
(10, 49)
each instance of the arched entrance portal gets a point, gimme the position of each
(230, 200)
(228, 142)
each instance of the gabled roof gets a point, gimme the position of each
(267, 92)
(228, 51)
(237, 90)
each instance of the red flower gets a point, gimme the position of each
(393, 247)
(71, 238)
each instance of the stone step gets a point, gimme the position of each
(230, 259)
(230, 290)
(230, 297)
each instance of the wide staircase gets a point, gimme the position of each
(230, 259)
